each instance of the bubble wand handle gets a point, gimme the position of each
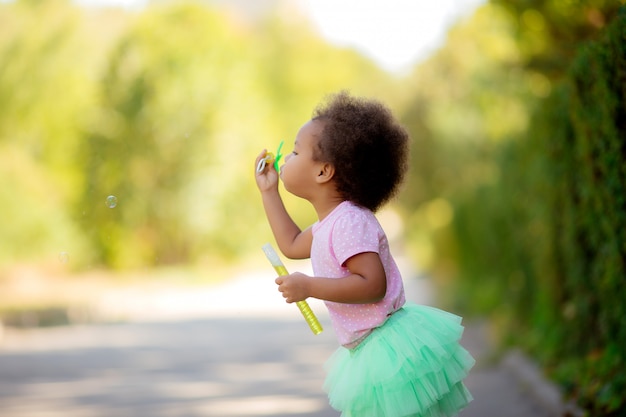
(280, 269)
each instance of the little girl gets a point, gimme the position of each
(396, 359)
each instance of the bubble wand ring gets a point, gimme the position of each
(269, 158)
(306, 311)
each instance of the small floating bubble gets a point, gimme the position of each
(111, 201)
(64, 257)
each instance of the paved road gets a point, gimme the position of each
(215, 367)
(497, 393)
(259, 361)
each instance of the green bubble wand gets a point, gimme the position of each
(280, 269)
(269, 158)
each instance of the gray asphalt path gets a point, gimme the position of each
(212, 367)
(497, 392)
(255, 362)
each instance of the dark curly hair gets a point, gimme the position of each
(366, 145)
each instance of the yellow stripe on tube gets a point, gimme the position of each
(280, 269)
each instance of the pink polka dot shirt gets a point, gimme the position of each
(347, 231)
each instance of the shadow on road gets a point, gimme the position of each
(222, 367)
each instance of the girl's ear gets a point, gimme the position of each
(325, 173)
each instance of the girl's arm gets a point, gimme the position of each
(366, 284)
(292, 241)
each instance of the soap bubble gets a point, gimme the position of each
(111, 201)
(64, 257)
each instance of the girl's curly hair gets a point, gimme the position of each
(366, 145)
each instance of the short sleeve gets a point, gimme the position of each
(353, 233)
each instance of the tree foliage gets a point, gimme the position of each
(38, 175)
(542, 248)
(155, 120)
(549, 32)
(165, 110)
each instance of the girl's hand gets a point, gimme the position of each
(268, 178)
(294, 287)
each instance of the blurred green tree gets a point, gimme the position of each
(43, 89)
(468, 99)
(541, 247)
(548, 32)
(155, 125)
(188, 100)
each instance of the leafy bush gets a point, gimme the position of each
(545, 246)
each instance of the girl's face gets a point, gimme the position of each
(300, 169)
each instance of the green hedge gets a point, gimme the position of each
(544, 249)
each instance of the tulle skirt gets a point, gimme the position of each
(413, 365)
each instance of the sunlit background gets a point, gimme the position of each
(129, 129)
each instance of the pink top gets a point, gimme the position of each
(347, 231)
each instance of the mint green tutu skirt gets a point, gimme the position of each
(413, 365)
